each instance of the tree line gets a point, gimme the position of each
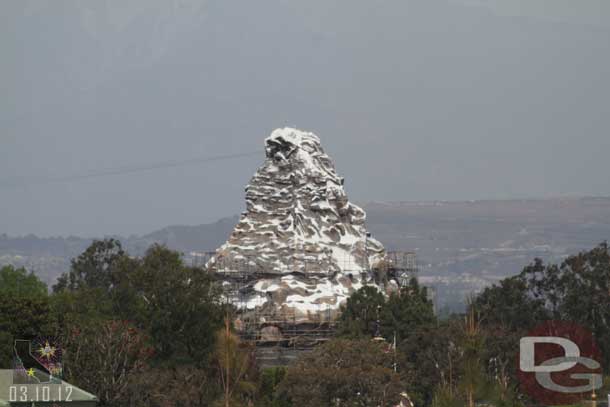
(152, 331)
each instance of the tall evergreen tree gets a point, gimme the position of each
(360, 313)
(407, 312)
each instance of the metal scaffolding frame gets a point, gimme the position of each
(266, 327)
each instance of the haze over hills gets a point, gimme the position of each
(461, 246)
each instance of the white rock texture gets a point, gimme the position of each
(300, 247)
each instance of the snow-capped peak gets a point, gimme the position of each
(299, 226)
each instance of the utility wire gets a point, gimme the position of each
(41, 180)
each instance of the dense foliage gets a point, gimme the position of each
(468, 359)
(24, 309)
(344, 373)
(17, 282)
(125, 322)
(152, 331)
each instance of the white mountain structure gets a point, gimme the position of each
(300, 246)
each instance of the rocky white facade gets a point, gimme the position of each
(300, 246)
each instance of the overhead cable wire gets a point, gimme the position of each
(44, 180)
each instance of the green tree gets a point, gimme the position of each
(22, 318)
(584, 287)
(82, 309)
(466, 381)
(577, 290)
(94, 268)
(17, 282)
(360, 312)
(407, 311)
(138, 331)
(268, 388)
(407, 318)
(344, 372)
(179, 306)
(507, 311)
(431, 357)
(24, 310)
(510, 305)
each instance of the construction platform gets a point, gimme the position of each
(281, 337)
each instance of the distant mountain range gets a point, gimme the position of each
(49, 257)
(461, 246)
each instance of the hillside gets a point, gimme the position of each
(461, 246)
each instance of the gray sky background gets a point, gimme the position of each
(414, 99)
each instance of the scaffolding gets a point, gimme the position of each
(285, 328)
(401, 266)
(280, 335)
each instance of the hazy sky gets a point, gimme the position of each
(415, 100)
